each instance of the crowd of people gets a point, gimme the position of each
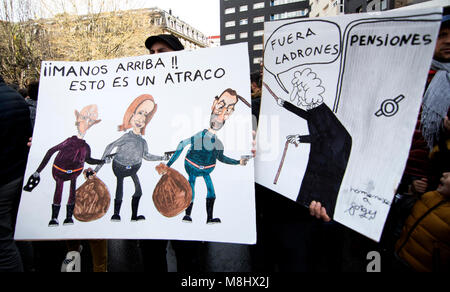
(416, 236)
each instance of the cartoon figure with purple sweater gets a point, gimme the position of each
(69, 163)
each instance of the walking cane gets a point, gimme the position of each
(286, 145)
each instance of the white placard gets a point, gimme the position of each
(184, 86)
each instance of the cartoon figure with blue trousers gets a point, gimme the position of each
(206, 149)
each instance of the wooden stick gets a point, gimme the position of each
(286, 145)
(271, 92)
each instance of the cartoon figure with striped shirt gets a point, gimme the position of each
(206, 148)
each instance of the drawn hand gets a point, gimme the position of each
(280, 102)
(32, 182)
(243, 161)
(29, 141)
(316, 209)
(293, 139)
(419, 186)
(89, 173)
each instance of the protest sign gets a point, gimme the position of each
(340, 103)
(125, 118)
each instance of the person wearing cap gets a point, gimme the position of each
(188, 253)
(163, 43)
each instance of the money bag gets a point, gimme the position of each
(172, 194)
(92, 200)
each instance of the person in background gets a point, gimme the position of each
(15, 129)
(421, 174)
(256, 83)
(31, 100)
(428, 155)
(23, 92)
(424, 245)
(188, 253)
(436, 102)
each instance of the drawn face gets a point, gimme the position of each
(139, 118)
(444, 186)
(86, 118)
(160, 47)
(442, 50)
(307, 89)
(301, 97)
(221, 110)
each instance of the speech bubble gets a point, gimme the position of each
(301, 43)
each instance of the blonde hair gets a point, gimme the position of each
(132, 109)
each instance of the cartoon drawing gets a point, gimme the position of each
(92, 199)
(131, 149)
(69, 163)
(389, 107)
(172, 194)
(330, 142)
(206, 149)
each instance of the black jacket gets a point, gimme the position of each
(15, 130)
(329, 153)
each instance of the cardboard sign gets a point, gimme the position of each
(122, 118)
(340, 103)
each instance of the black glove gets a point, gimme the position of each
(33, 181)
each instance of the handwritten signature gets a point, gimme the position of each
(361, 211)
(368, 196)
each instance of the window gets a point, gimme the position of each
(257, 33)
(229, 37)
(258, 5)
(243, 8)
(243, 21)
(383, 4)
(290, 14)
(282, 2)
(230, 23)
(257, 60)
(243, 35)
(257, 47)
(230, 10)
(258, 19)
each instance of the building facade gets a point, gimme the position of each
(320, 8)
(190, 37)
(358, 6)
(243, 21)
